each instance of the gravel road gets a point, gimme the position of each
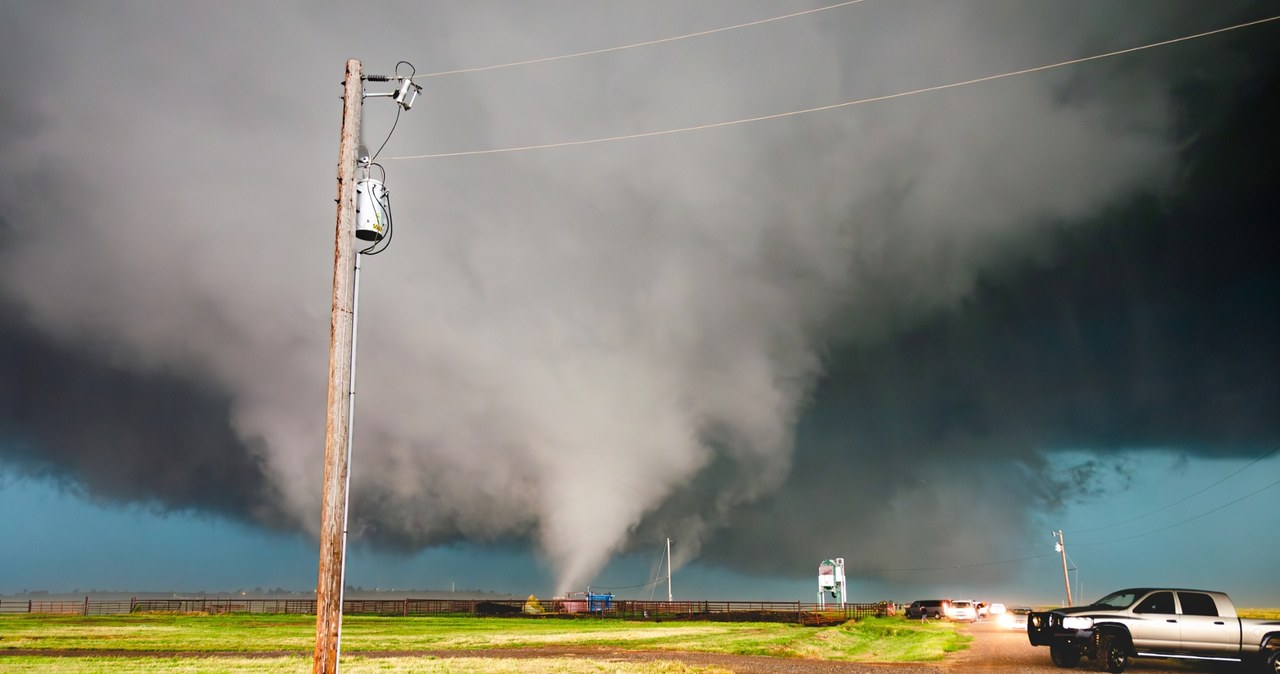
(997, 650)
(993, 650)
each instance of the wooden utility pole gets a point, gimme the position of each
(338, 422)
(1066, 579)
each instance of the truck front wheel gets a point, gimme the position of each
(1064, 655)
(1273, 662)
(1113, 653)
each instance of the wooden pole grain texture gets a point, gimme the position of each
(337, 424)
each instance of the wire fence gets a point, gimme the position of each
(623, 609)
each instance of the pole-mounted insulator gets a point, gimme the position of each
(377, 78)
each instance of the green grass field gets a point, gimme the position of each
(244, 643)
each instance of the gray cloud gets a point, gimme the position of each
(587, 348)
(1146, 327)
(125, 435)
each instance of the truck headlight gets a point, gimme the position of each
(1077, 623)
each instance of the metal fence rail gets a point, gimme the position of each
(625, 609)
(85, 607)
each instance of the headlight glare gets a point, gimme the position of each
(1077, 623)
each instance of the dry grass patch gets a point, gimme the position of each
(350, 665)
(166, 636)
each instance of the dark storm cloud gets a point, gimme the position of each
(891, 288)
(123, 435)
(1153, 325)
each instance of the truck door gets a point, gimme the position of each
(1203, 629)
(1156, 626)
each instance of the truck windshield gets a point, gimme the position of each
(1121, 599)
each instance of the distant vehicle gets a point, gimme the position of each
(1014, 618)
(962, 610)
(928, 608)
(1155, 623)
(995, 609)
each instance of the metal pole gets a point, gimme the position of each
(351, 425)
(668, 570)
(337, 423)
(844, 584)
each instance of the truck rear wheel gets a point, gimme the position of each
(1064, 655)
(1273, 662)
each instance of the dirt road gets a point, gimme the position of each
(993, 651)
(997, 650)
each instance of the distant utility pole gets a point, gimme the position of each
(668, 570)
(338, 422)
(1061, 547)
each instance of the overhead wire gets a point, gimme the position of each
(655, 581)
(1119, 540)
(844, 104)
(653, 587)
(1189, 519)
(1181, 500)
(382, 204)
(975, 565)
(1088, 544)
(399, 109)
(646, 43)
(393, 130)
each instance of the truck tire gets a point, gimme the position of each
(1113, 653)
(1273, 663)
(1064, 655)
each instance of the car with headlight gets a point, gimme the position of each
(1014, 618)
(1155, 623)
(963, 610)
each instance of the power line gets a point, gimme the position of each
(845, 104)
(646, 43)
(653, 582)
(1189, 519)
(1119, 540)
(972, 566)
(1181, 500)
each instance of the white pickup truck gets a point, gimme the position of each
(1155, 623)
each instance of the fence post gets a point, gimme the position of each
(86, 604)
(133, 602)
(28, 606)
(405, 613)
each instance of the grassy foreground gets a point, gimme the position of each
(246, 643)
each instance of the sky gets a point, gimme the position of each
(918, 333)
